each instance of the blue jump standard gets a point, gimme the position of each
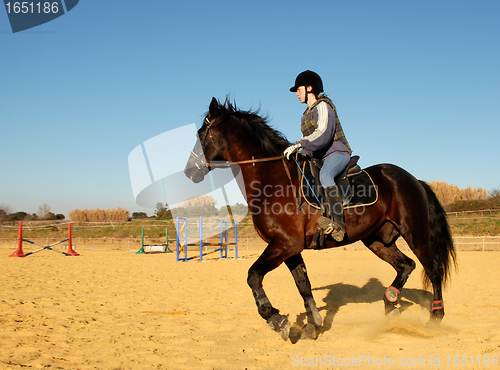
(222, 245)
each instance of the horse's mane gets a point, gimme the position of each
(256, 128)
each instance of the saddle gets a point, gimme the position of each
(355, 185)
(341, 179)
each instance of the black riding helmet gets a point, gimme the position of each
(308, 78)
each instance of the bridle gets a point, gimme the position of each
(199, 158)
(209, 131)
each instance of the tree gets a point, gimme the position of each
(44, 211)
(139, 215)
(202, 205)
(495, 193)
(5, 210)
(160, 209)
(239, 209)
(162, 212)
(18, 216)
(50, 216)
(200, 201)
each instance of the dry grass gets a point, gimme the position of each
(200, 201)
(99, 215)
(448, 194)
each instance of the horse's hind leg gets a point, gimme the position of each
(401, 263)
(298, 269)
(434, 277)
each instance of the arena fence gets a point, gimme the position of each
(468, 243)
(462, 243)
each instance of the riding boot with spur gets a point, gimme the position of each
(335, 225)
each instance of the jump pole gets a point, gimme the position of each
(222, 245)
(203, 243)
(142, 251)
(19, 252)
(71, 251)
(178, 246)
(235, 240)
(224, 237)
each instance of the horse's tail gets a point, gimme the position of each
(441, 241)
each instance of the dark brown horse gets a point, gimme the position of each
(406, 207)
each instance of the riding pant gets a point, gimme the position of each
(333, 164)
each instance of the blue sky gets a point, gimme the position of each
(416, 83)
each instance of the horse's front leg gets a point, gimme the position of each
(272, 257)
(314, 321)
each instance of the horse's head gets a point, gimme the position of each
(211, 145)
(230, 134)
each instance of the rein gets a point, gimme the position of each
(253, 161)
(260, 160)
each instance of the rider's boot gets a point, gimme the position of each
(335, 225)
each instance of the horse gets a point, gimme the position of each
(406, 207)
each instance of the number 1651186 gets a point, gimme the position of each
(463, 361)
(27, 7)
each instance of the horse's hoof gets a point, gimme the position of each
(437, 316)
(437, 312)
(338, 235)
(393, 313)
(391, 296)
(309, 331)
(285, 332)
(279, 323)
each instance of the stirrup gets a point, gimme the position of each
(325, 224)
(338, 234)
(329, 227)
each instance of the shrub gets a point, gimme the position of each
(448, 194)
(99, 215)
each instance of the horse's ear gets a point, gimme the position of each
(214, 108)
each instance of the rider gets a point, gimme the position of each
(322, 137)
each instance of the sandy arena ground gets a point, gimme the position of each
(118, 310)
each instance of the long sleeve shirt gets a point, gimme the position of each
(320, 143)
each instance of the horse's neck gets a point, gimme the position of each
(261, 180)
(256, 176)
(243, 151)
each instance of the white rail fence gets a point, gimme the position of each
(468, 243)
(462, 243)
(481, 212)
(482, 243)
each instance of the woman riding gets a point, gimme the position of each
(323, 138)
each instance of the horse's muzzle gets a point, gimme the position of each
(196, 174)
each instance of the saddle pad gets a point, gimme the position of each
(363, 189)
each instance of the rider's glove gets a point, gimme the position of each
(292, 149)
